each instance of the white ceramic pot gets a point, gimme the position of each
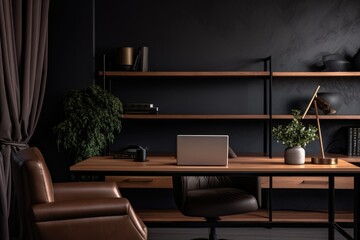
(294, 155)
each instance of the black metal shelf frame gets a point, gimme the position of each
(267, 139)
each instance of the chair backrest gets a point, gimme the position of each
(32, 184)
(183, 184)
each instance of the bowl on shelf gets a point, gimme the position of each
(330, 102)
(334, 56)
(337, 66)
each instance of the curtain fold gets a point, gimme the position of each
(23, 71)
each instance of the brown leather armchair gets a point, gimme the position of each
(75, 210)
(214, 196)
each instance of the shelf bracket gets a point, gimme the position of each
(268, 106)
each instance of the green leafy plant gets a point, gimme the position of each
(295, 133)
(92, 118)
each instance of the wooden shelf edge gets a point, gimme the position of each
(160, 215)
(316, 74)
(233, 116)
(322, 117)
(192, 116)
(187, 74)
(226, 74)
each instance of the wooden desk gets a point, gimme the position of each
(256, 166)
(166, 166)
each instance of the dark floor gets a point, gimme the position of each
(244, 233)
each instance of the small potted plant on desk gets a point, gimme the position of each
(295, 136)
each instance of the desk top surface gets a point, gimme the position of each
(166, 165)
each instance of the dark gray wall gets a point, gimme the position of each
(217, 35)
(227, 35)
(198, 35)
(70, 67)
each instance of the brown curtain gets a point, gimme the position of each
(23, 70)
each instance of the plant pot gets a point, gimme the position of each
(294, 155)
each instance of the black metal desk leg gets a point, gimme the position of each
(331, 208)
(356, 206)
(270, 210)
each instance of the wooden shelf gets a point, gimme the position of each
(233, 116)
(316, 74)
(192, 116)
(227, 74)
(185, 74)
(173, 215)
(322, 117)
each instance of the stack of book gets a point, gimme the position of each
(354, 141)
(140, 108)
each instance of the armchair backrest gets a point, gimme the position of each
(32, 184)
(32, 176)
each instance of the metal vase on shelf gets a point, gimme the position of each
(125, 58)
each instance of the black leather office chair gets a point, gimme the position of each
(214, 196)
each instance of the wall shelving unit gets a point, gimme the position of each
(267, 75)
(266, 116)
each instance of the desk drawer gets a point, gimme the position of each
(308, 182)
(278, 182)
(141, 181)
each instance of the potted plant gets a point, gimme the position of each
(93, 117)
(296, 136)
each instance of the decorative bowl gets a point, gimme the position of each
(334, 99)
(337, 66)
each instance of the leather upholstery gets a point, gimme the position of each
(89, 210)
(215, 196)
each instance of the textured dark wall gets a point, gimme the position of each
(70, 67)
(217, 35)
(227, 35)
(198, 35)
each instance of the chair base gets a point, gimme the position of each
(212, 235)
(208, 239)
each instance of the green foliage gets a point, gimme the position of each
(92, 118)
(295, 133)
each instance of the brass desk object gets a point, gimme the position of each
(327, 108)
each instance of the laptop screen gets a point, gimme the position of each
(202, 150)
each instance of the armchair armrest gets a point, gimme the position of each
(85, 190)
(81, 209)
(111, 217)
(250, 184)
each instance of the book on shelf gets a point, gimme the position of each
(141, 62)
(354, 141)
(138, 105)
(153, 110)
(136, 64)
(140, 108)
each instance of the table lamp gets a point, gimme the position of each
(326, 108)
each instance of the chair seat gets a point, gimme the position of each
(216, 202)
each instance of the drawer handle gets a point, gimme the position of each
(137, 180)
(314, 182)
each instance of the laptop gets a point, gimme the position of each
(205, 150)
